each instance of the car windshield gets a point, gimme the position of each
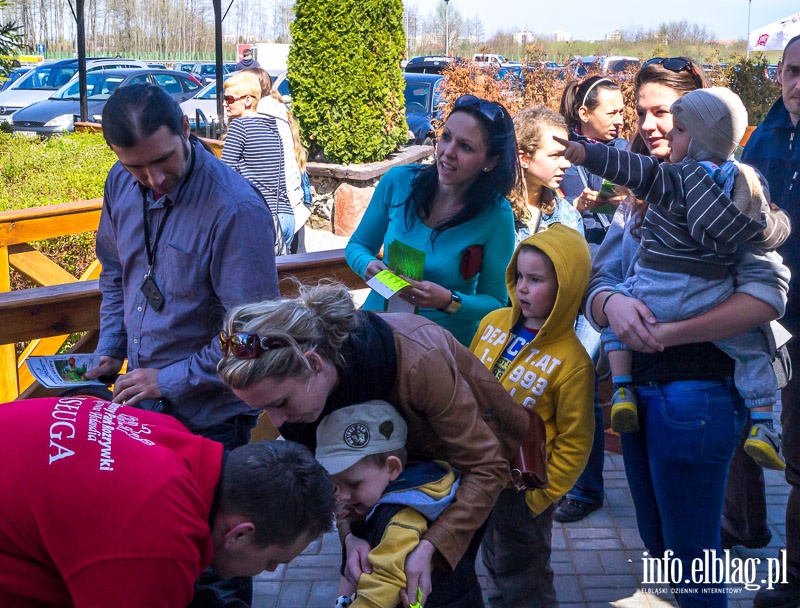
(99, 85)
(210, 92)
(46, 78)
(417, 94)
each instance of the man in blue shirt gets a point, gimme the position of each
(774, 149)
(182, 239)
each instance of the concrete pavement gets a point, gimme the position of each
(597, 561)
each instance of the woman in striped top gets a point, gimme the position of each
(253, 148)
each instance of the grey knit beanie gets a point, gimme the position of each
(715, 118)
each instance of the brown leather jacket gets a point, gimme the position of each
(456, 411)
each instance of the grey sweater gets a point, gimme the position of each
(691, 226)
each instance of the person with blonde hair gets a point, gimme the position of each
(254, 149)
(538, 202)
(294, 154)
(302, 358)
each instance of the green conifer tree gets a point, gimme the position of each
(345, 76)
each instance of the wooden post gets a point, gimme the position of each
(9, 387)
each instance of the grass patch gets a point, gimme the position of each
(34, 173)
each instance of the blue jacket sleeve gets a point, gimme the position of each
(368, 238)
(113, 340)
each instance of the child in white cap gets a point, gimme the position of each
(363, 448)
(702, 206)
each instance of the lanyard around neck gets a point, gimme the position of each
(151, 247)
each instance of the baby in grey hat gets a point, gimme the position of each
(363, 448)
(702, 206)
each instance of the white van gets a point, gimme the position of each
(43, 80)
(485, 59)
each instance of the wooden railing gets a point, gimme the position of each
(17, 230)
(47, 315)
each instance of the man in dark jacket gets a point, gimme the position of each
(774, 149)
(247, 61)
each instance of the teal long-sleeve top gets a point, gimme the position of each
(385, 221)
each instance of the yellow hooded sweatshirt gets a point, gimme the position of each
(552, 373)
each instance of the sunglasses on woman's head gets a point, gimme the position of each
(229, 99)
(245, 345)
(675, 64)
(489, 109)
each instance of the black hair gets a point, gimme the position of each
(137, 111)
(788, 44)
(488, 189)
(280, 488)
(584, 92)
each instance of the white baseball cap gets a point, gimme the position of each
(347, 435)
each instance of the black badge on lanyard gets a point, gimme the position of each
(153, 294)
(155, 298)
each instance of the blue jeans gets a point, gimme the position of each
(287, 227)
(677, 466)
(589, 487)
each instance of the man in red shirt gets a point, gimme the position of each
(107, 505)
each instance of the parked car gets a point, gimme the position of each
(428, 64)
(611, 64)
(42, 80)
(57, 114)
(184, 66)
(423, 101)
(207, 71)
(15, 75)
(772, 72)
(489, 59)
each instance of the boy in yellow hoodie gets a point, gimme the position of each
(533, 351)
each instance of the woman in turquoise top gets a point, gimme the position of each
(455, 212)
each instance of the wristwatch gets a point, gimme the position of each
(455, 304)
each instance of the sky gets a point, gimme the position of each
(592, 19)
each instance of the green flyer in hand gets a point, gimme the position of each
(406, 260)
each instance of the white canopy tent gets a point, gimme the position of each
(773, 37)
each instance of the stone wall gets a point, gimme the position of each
(342, 192)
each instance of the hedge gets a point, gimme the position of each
(347, 85)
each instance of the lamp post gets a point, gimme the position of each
(446, 28)
(747, 38)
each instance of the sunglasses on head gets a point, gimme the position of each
(229, 99)
(489, 109)
(675, 64)
(245, 345)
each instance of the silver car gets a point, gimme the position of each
(56, 114)
(43, 80)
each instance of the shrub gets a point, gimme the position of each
(747, 77)
(347, 86)
(539, 87)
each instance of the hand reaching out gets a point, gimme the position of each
(574, 152)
